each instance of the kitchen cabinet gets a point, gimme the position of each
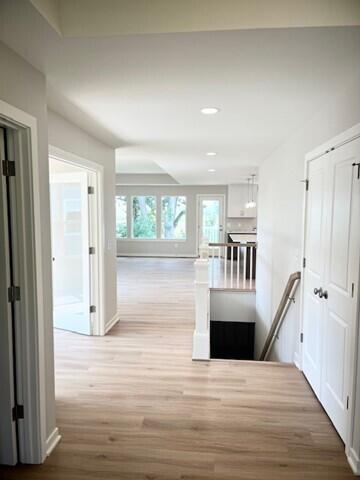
(237, 199)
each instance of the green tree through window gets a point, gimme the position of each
(144, 217)
(173, 217)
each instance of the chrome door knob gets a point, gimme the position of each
(318, 291)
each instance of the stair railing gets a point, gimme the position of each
(285, 302)
(232, 265)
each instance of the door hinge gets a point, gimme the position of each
(18, 412)
(304, 262)
(92, 309)
(8, 168)
(306, 181)
(91, 250)
(91, 190)
(352, 289)
(301, 337)
(347, 402)
(358, 166)
(13, 294)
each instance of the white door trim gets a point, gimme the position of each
(199, 196)
(97, 219)
(341, 139)
(344, 137)
(32, 357)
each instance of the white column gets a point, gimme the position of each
(201, 338)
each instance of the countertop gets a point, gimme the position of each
(242, 232)
(243, 237)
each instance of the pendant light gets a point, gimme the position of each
(247, 204)
(251, 203)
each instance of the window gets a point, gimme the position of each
(121, 217)
(173, 218)
(144, 217)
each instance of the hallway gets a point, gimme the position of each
(132, 405)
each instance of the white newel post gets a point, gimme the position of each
(201, 338)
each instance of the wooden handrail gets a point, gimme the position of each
(287, 298)
(234, 244)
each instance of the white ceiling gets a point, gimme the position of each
(143, 93)
(148, 91)
(94, 18)
(130, 162)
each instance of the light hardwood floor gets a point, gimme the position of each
(133, 405)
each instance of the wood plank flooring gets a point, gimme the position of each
(132, 405)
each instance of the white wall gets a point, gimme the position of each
(232, 306)
(280, 203)
(68, 137)
(25, 88)
(167, 247)
(145, 179)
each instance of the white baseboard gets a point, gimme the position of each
(354, 461)
(297, 361)
(201, 346)
(157, 255)
(112, 322)
(52, 440)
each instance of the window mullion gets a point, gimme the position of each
(158, 216)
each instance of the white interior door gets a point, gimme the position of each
(70, 251)
(211, 219)
(341, 275)
(313, 305)
(8, 441)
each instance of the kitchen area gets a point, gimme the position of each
(232, 296)
(241, 221)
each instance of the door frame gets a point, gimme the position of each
(345, 137)
(198, 200)
(96, 218)
(31, 375)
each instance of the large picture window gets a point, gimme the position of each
(173, 217)
(144, 217)
(121, 216)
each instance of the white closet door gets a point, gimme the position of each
(342, 270)
(313, 305)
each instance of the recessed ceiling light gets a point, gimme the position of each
(211, 154)
(211, 170)
(209, 110)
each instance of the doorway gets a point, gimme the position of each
(211, 219)
(75, 247)
(22, 334)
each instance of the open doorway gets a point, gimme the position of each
(76, 248)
